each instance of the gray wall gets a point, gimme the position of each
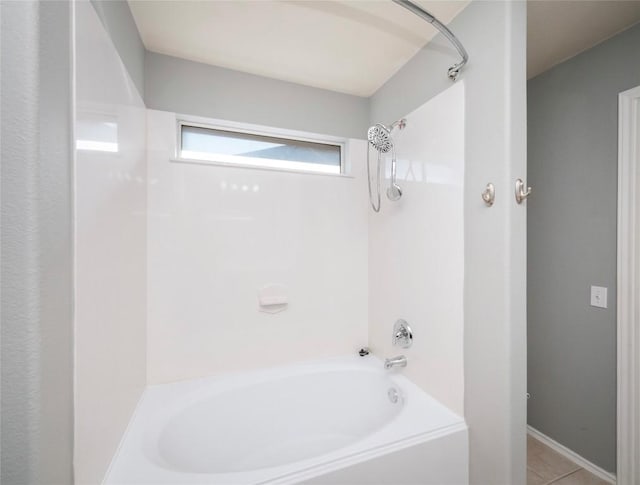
(181, 86)
(119, 23)
(172, 84)
(495, 150)
(36, 244)
(573, 149)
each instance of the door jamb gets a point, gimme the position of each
(628, 284)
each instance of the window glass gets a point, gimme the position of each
(216, 145)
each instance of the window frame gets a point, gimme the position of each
(242, 128)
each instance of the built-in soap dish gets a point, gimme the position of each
(273, 298)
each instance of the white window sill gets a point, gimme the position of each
(258, 167)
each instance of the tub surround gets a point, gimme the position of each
(218, 234)
(110, 246)
(416, 268)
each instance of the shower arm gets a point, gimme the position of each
(420, 12)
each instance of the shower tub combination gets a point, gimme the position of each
(336, 421)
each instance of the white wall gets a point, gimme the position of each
(495, 245)
(217, 234)
(110, 244)
(416, 250)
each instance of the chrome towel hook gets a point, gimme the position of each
(521, 192)
(489, 194)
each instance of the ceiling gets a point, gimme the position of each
(346, 46)
(352, 46)
(560, 29)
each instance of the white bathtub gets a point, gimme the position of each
(332, 421)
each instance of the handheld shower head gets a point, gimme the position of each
(379, 137)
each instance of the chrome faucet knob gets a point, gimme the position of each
(402, 334)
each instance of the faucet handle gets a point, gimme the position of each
(402, 334)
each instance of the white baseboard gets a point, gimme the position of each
(571, 455)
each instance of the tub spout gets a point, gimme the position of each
(400, 361)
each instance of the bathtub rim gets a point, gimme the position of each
(363, 456)
(368, 363)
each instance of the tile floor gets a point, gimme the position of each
(546, 466)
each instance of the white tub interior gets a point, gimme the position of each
(282, 425)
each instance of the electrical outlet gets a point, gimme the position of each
(599, 296)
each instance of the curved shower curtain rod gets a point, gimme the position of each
(420, 12)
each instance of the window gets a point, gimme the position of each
(235, 147)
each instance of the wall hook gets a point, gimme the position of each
(489, 194)
(521, 193)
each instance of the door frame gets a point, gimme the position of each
(628, 284)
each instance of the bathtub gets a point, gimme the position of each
(336, 421)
